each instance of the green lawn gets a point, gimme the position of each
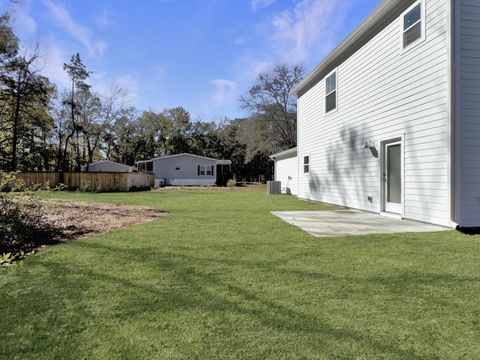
(221, 278)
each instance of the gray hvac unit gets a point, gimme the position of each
(274, 187)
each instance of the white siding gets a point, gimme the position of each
(188, 170)
(383, 94)
(286, 171)
(468, 114)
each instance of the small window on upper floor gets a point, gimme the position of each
(413, 25)
(331, 92)
(177, 168)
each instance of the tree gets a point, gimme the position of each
(8, 41)
(8, 51)
(270, 100)
(25, 87)
(97, 113)
(119, 137)
(78, 73)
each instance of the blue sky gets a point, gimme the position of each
(199, 54)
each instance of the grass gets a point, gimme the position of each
(221, 278)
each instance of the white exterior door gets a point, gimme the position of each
(392, 177)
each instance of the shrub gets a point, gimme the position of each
(9, 182)
(23, 224)
(232, 183)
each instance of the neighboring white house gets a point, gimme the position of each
(108, 166)
(187, 170)
(286, 170)
(389, 121)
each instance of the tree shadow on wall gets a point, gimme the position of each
(349, 171)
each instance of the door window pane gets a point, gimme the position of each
(394, 176)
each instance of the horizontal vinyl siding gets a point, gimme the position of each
(165, 168)
(286, 171)
(383, 94)
(468, 115)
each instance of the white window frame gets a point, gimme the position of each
(334, 71)
(206, 170)
(309, 164)
(394, 137)
(423, 26)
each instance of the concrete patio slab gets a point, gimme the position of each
(351, 222)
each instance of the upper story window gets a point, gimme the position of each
(413, 24)
(177, 168)
(331, 92)
(306, 164)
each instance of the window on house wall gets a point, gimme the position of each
(413, 25)
(177, 168)
(149, 166)
(331, 92)
(205, 170)
(306, 164)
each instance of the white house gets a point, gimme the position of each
(286, 170)
(389, 121)
(187, 170)
(108, 166)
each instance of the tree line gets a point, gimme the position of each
(43, 128)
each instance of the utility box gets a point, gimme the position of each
(274, 187)
(159, 182)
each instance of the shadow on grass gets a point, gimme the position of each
(201, 289)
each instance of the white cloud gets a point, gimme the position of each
(262, 67)
(260, 4)
(100, 46)
(103, 21)
(224, 91)
(308, 30)
(130, 84)
(80, 32)
(240, 41)
(54, 58)
(25, 24)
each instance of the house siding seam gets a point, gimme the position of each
(468, 113)
(382, 94)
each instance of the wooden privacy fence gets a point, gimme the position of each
(42, 178)
(90, 181)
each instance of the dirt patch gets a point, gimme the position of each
(76, 219)
(31, 224)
